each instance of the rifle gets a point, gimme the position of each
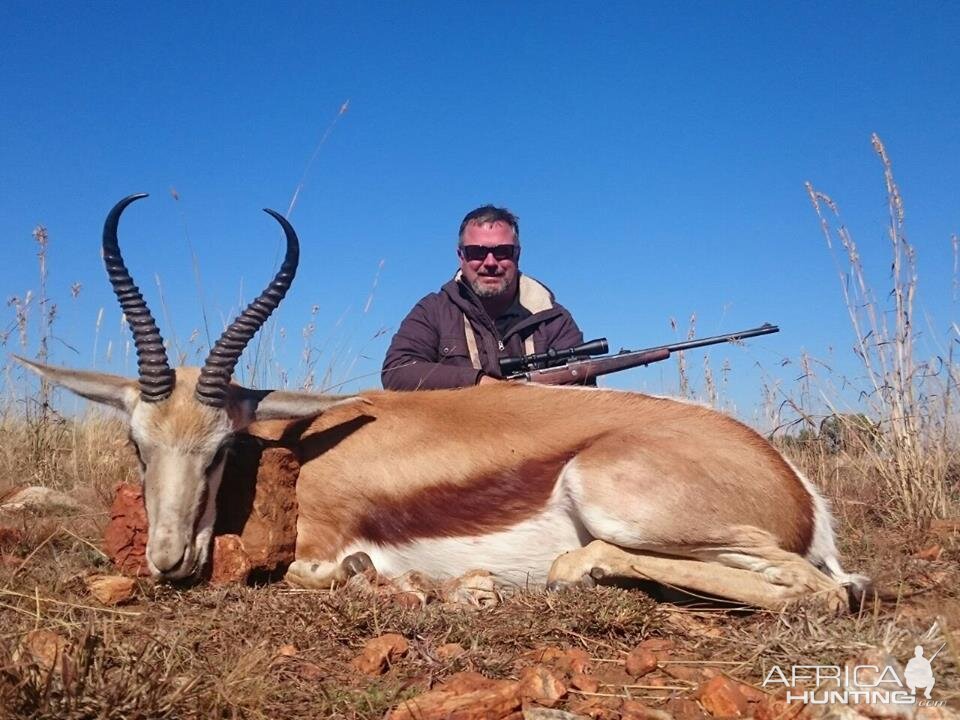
(578, 365)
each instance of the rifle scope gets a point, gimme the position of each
(551, 357)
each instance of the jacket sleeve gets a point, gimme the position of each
(412, 361)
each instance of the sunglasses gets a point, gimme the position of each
(479, 252)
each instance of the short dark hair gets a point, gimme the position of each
(490, 214)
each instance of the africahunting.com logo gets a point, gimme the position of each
(854, 684)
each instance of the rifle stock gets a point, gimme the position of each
(580, 371)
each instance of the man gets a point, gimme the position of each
(489, 310)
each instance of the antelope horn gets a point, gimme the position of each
(156, 377)
(218, 367)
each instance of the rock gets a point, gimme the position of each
(586, 683)
(572, 660)
(640, 661)
(36, 497)
(380, 652)
(576, 661)
(540, 685)
(111, 589)
(258, 502)
(496, 700)
(44, 649)
(125, 537)
(721, 697)
(231, 564)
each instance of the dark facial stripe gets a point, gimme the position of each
(485, 505)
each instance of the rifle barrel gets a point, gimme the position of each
(765, 329)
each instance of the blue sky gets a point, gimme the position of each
(655, 154)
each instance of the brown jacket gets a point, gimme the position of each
(432, 350)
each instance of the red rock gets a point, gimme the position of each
(380, 652)
(640, 661)
(721, 697)
(111, 589)
(258, 502)
(577, 661)
(125, 537)
(231, 563)
(573, 660)
(540, 685)
(44, 649)
(468, 681)
(587, 683)
(495, 701)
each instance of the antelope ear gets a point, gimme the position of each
(113, 390)
(257, 405)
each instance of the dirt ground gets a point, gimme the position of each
(276, 651)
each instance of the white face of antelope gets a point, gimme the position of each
(181, 445)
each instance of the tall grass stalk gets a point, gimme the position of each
(914, 459)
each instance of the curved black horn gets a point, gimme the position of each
(156, 377)
(218, 367)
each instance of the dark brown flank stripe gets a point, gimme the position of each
(485, 505)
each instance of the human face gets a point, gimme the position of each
(490, 277)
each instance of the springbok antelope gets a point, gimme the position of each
(535, 484)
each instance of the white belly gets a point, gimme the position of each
(520, 556)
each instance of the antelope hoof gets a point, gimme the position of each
(356, 564)
(861, 593)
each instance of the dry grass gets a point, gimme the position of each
(889, 469)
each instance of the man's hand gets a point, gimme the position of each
(488, 379)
